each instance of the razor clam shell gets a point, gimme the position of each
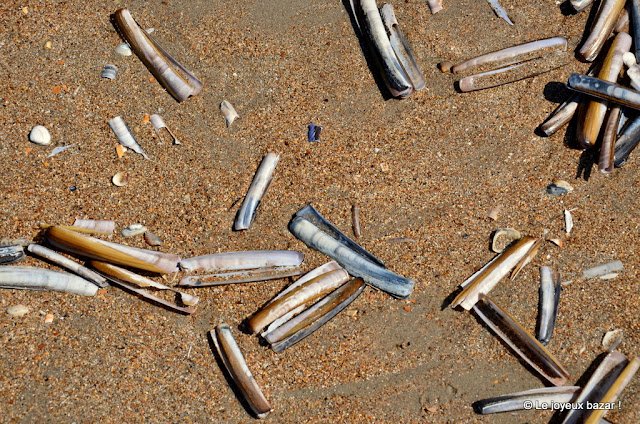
(580, 5)
(236, 367)
(550, 287)
(627, 142)
(604, 22)
(195, 281)
(31, 278)
(499, 11)
(503, 237)
(513, 55)
(309, 316)
(489, 275)
(120, 254)
(608, 143)
(634, 12)
(67, 263)
(11, 254)
(513, 73)
(343, 295)
(229, 112)
(633, 70)
(599, 383)
(99, 226)
(251, 259)
(605, 90)
(519, 339)
(174, 77)
(622, 23)
(615, 390)
(309, 291)
(562, 115)
(256, 192)
(355, 220)
(591, 121)
(515, 401)
(526, 259)
(434, 6)
(357, 265)
(158, 124)
(372, 27)
(401, 48)
(124, 136)
(312, 215)
(603, 269)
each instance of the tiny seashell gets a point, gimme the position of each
(123, 49)
(229, 112)
(48, 319)
(612, 339)
(109, 71)
(559, 187)
(133, 230)
(557, 241)
(59, 149)
(152, 239)
(40, 135)
(314, 133)
(493, 214)
(445, 67)
(121, 179)
(17, 310)
(503, 237)
(568, 221)
(124, 136)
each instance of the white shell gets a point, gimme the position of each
(17, 310)
(229, 112)
(124, 136)
(121, 179)
(157, 122)
(123, 49)
(40, 135)
(612, 339)
(109, 71)
(133, 230)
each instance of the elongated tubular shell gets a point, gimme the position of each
(401, 48)
(550, 285)
(561, 115)
(603, 25)
(635, 18)
(67, 263)
(513, 73)
(516, 401)
(531, 253)
(355, 264)
(177, 80)
(148, 260)
(580, 5)
(247, 276)
(488, 276)
(603, 269)
(131, 277)
(99, 226)
(355, 220)
(599, 383)
(250, 259)
(633, 70)
(513, 55)
(372, 27)
(234, 362)
(31, 278)
(628, 140)
(608, 144)
(589, 127)
(11, 254)
(307, 292)
(124, 136)
(74, 228)
(519, 339)
(312, 215)
(315, 312)
(605, 90)
(614, 391)
(256, 192)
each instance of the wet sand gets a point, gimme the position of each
(429, 168)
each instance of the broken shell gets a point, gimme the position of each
(229, 112)
(123, 49)
(11, 254)
(17, 310)
(133, 230)
(559, 187)
(612, 339)
(503, 237)
(48, 319)
(124, 136)
(121, 179)
(109, 71)
(568, 222)
(98, 226)
(40, 135)
(493, 214)
(31, 278)
(158, 124)
(604, 269)
(152, 239)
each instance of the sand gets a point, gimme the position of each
(429, 168)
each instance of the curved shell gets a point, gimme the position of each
(32, 278)
(40, 135)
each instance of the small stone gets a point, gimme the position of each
(559, 187)
(48, 45)
(40, 135)
(152, 239)
(352, 312)
(17, 310)
(48, 319)
(445, 66)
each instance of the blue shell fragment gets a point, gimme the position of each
(314, 133)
